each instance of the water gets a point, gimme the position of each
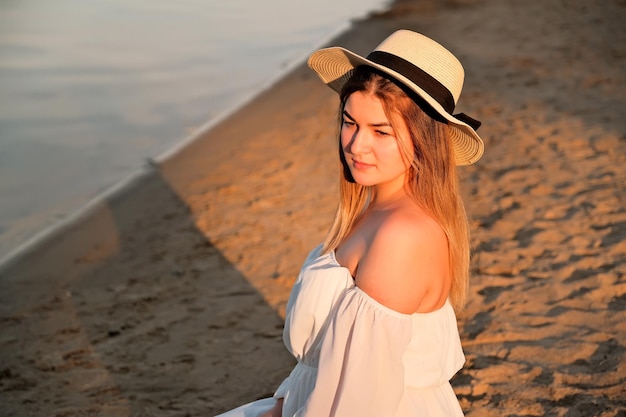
(90, 89)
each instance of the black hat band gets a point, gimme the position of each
(418, 76)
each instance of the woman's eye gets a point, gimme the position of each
(382, 133)
(348, 123)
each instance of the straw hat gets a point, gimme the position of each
(422, 65)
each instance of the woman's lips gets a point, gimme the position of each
(360, 165)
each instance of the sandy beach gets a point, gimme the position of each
(168, 298)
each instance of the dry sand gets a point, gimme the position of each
(167, 300)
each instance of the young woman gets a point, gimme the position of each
(370, 318)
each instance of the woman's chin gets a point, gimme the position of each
(363, 180)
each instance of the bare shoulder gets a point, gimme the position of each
(404, 228)
(406, 264)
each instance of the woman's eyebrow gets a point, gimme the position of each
(382, 124)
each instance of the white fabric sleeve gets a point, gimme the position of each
(307, 308)
(360, 368)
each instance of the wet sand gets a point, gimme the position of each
(167, 299)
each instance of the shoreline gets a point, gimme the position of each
(74, 217)
(24, 230)
(168, 297)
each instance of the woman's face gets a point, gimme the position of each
(370, 144)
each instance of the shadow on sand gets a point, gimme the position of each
(79, 337)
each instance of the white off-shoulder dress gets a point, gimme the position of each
(357, 357)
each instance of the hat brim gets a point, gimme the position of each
(335, 65)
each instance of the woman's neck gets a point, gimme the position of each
(387, 197)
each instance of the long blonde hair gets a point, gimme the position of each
(432, 178)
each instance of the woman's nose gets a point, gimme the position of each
(359, 142)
